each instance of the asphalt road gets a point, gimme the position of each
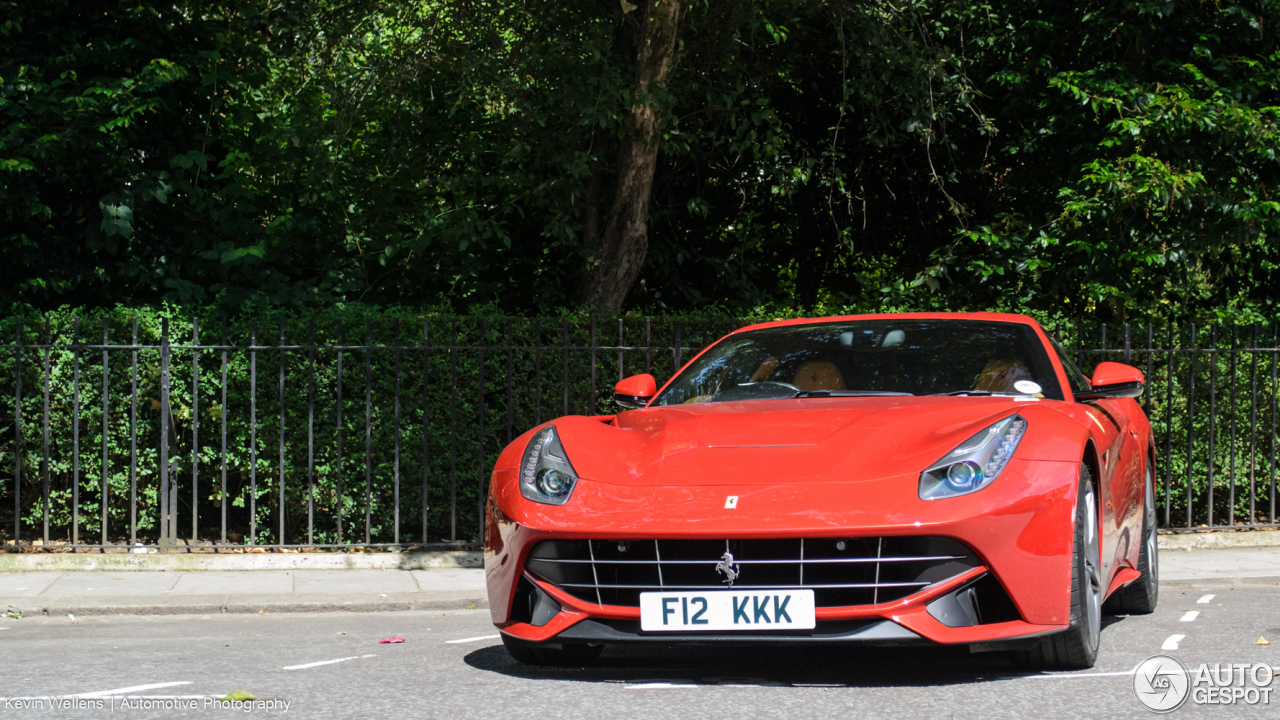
(331, 665)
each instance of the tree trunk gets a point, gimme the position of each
(616, 255)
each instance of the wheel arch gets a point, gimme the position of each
(1091, 460)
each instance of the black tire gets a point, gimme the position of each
(1139, 597)
(533, 653)
(1076, 647)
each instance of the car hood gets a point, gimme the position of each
(779, 441)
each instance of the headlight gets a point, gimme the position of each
(546, 476)
(977, 462)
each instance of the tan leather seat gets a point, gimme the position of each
(1000, 376)
(765, 370)
(818, 375)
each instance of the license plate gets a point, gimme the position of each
(727, 610)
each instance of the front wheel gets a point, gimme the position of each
(1139, 597)
(1077, 647)
(533, 653)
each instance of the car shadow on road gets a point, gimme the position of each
(783, 667)
(787, 666)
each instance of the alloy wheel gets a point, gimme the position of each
(1093, 567)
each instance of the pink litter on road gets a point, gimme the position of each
(391, 640)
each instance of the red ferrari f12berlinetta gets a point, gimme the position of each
(874, 479)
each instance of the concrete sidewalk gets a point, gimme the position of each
(1222, 563)
(123, 592)
(202, 593)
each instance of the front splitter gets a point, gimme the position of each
(864, 632)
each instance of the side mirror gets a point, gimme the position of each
(1114, 380)
(635, 392)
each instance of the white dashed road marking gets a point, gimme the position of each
(325, 662)
(1172, 642)
(131, 689)
(474, 639)
(659, 686)
(1205, 600)
(1189, 615)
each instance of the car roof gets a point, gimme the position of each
(987, 316)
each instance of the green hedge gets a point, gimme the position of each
(544, 383)
(522, 385)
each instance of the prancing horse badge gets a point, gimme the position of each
(731, 502)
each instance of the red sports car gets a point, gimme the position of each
(876, 479)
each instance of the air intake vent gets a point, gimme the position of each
(840, 571)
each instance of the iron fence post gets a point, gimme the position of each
(164, 435)
(676, 352)
(341, 498)
(1146, 397)
(222, 416)
(594, 403)
(564, 355)
(253, 431)
(453, 435)
(17, 433)
(480, 497)
(1191, 432)
(133, 438)
(1213, 397)
(426, 431)
(1231, 447)
(648, 345)
(44, 431)
(368, 428)
(1253, 426)
(537, 372)
(195, 430)
(75, 435)
(106, 395)
(1275, 406)
(1168, 428)
(280, 497)
(311, 428)
(510, 372)
(395, 467)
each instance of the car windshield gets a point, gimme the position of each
(870, 357)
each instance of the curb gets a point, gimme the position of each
(1215, 540)
(241, 605)
(119, 562)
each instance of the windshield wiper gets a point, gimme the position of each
(983, 393)
(850, 393)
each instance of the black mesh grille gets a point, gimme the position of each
(840, 571)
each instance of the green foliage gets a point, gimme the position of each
(1134, 173)
(1107, 161)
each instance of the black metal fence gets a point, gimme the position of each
(1212, 401)
(152, 436)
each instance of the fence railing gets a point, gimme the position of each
(261, 453)
(287, 434)
(1213, 410)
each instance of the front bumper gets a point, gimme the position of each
(1019, 531)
